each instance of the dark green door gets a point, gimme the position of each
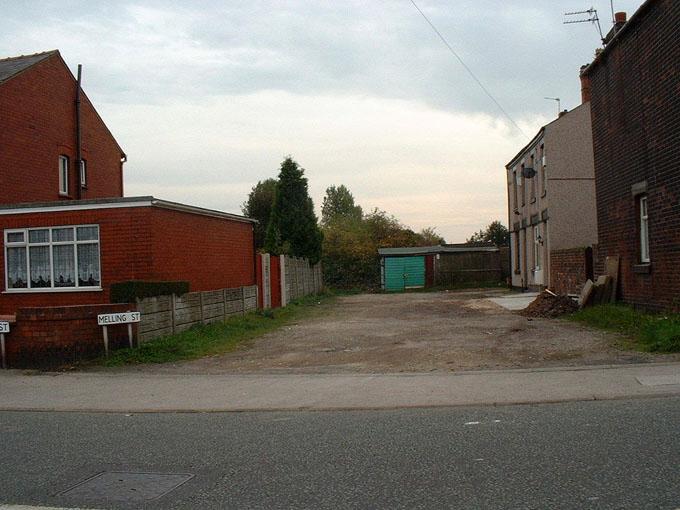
(404, 273)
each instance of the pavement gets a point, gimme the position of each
(515, 302)
(102, 392)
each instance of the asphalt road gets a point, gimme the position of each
(616, 454)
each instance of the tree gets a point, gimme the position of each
(293, 228)
(339, 204)
(431, 237)
(259, 207)
(495, 234)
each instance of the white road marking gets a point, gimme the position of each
(472, 423)
(27, 507)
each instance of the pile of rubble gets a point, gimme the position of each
(548, 305)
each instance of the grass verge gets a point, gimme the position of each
(218, 338)
(648, 332)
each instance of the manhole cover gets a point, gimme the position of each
(130, 487)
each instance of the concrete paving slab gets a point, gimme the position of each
(659, 380)
(132, 393)
(515, 301)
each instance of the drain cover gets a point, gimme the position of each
(127, 487)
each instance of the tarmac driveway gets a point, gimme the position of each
(417, 332)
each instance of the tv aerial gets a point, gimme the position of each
(591, 17)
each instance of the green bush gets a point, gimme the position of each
(128, 292)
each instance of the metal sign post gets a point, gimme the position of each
(109, 319)
(4, 328)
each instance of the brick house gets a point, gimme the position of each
(68, 233)
(635, 104)
(39, 136)
(551, 205)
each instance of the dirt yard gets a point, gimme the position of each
(417, 332)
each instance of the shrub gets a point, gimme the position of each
(128, 292)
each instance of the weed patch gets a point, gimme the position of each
(649, 332)
(218, 338)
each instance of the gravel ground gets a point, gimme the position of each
(416, 332)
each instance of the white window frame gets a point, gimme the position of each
(75, 243)
(644, 230)
(63, 174)
(83, 173)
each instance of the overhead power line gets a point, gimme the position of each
(470, 72)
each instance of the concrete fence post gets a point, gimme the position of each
(282, 270)
(173, 300)
(243, 300)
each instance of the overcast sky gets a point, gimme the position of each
(208, 97)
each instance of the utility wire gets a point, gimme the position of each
(472, 74)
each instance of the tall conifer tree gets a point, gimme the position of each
(293, 228)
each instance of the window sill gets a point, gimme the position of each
(544, 194)
(50, 290)
(533, 200)
(645, 268)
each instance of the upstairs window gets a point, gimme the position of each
(522, 182)
(57, 258)
(644, 230)
(515, 205)
(63, 175)
(533, 179)
(544, 176)
(83, 173)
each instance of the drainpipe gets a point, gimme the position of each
(79, 155)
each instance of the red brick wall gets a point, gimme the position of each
(146, 243)
(124, 246)
(50, 337)
(636, 138)
(212, 253)
(37, 124)
(569, 270)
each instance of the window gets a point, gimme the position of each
(533, 180)
(644, 230)
(515, 205)
(522, 182)
(538, 241)
(56, 258)
(83, 173)
(63, 175)
(517, 252)
(544, 176)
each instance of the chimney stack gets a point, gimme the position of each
(620, 18)
(585, 85)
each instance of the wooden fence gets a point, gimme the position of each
(165, 315)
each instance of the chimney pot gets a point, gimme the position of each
(620, 17)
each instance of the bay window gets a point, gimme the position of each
(54, 258)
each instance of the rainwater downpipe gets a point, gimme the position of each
(79, 155)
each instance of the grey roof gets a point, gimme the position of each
(97, 203)
(429, 250)
(14, 65)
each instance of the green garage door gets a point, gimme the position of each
(404, 273)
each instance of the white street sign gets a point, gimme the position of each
(108, 319)
(4, 327)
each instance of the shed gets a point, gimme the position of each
(446, 265)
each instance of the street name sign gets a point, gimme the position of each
(108, 319)
(4, 327)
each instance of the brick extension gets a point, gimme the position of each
(569, 269)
